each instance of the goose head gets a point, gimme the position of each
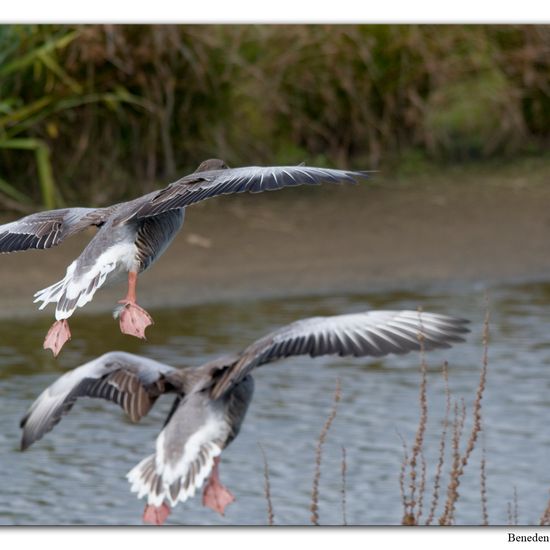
(211, 164)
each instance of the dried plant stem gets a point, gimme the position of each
(513, 509)
(460, 461)
(407, 519)
(545, 518)
(483, 488)
(452, 488)
(413, 502)
(318, 456)
(267, 489)
(442, 442)
(419, 439)
(344, 488)
(476, 428)
(421, 487)
(516, 507)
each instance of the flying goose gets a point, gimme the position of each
(212, 400)
(134, 234)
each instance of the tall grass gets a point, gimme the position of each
(344, 471)
(545, 518)
(314, 507)
(413, 496)
(426, 503)
(115, 108)
(267, 489)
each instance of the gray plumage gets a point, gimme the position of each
(212, 400)
(134, 234)
(47, 229)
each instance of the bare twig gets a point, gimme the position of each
(483, 488)
(452, 487)
(545, 518)
(442, 442)
(421, 430)
(318, 456)
(460, 461)
(344, 472)
(267, 489)
(408, 517)
(513, 509)
(421, 487)
(414, 501)
(516, 507)
(476, 429)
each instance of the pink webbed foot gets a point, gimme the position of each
(58, 334)
(216, 496)
(156, 515)
(133, 319)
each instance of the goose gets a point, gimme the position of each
(212, 399)
(133, 234)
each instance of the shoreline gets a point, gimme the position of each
(339, 239)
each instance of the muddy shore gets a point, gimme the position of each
(484, 227)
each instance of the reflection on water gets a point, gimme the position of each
(76, 474)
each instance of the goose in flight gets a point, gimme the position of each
(133, 234)
(211, 400)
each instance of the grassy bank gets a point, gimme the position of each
(96, 113)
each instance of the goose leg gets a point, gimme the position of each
(58, 334)
(133, 319)
(216, 496)
(156, 515)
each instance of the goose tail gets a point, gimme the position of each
(52, 294)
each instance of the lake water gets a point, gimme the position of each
(76, 474)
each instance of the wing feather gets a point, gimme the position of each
(49, 228)
(254, 179)
(131, 381)
(373, 333)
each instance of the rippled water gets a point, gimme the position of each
(76, 474)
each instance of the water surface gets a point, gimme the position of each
(76, 474)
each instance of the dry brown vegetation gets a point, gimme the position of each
(267, 490)
(314, 508)
(413, 496)
(423, 504)
(101, 112)
(344, 487)
(545, 518)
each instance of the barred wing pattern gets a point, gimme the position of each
(47, 229)
(373, 333)
(254, 179)
(131, 381)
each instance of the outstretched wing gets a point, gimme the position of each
(131, 381)
(374, 333)
(254, 179)
(49, 228)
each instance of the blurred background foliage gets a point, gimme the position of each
(98, 113)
